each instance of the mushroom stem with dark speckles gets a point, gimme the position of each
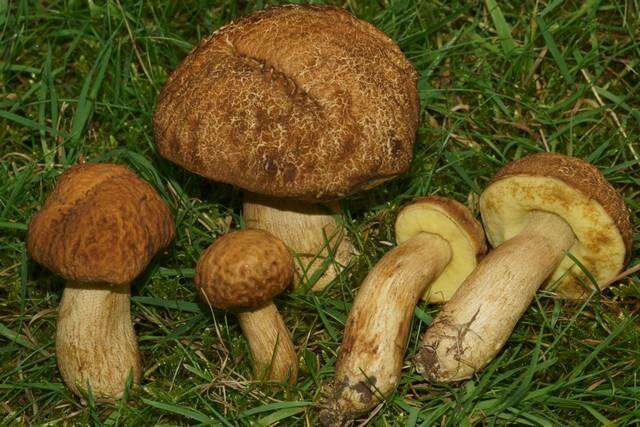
(438, 245)
(243, 271)
(535, 210)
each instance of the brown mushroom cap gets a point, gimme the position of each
(453, 222)
(101, 224)
(244, 269)
(577, 192)
(297, 101)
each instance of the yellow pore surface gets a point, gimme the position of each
(599, 246)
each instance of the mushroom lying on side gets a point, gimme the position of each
(278, 104)
(98, 229)
(244, 270)
(536, 211)
(438, 245)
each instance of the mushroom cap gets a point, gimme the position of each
(297, 101)
(101, 224)
(453, 222)
(244, 269)
(577, 192)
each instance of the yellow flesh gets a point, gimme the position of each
(599, 246)
(427, 218)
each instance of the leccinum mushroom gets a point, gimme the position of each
(536, 210)
(297, 105)
(244, 270)
(438, 245)
(98, 229)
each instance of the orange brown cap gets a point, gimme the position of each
(101, 224)
(244, 269)
(298, 101)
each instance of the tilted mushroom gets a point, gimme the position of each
(243, 271)
(281, 106)
(98, 230)
(438, 245)
(536, 211)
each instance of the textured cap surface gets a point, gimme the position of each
(244, 269)
(578, 193)
(453, 222)
(101, 224)
(294, 101)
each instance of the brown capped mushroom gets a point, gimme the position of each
(438, 245)
(280, 105)
(243, 271)
(98, 229)
(536, 211)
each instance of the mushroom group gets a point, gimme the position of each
(300, 106)
(98, 230)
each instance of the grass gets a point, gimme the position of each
(78, 82)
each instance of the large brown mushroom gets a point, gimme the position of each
(439, 242)
(243, 271)
(541, 213)
(297, 105)
(98, 230)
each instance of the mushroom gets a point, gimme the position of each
(439, 242)
(537, 210)
(243, 271)
(279, 105)
(99, 229)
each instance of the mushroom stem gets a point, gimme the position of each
(318, 241)
(95, 341)
(272, 349)
(376, 333)
(474, 325)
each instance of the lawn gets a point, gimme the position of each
(78, 83)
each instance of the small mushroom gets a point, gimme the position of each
(439, 242)
(243, 271)
(537, 210)
(99, 229)
(278, 104)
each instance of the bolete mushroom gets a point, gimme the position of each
(243, 271)
(537, 210)
(99, 229)
(439, 242)
(298, 105)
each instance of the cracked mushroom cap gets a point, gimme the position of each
(101, 224)
(297, 101)
(244, 269)
(577, 192)
(453, 222)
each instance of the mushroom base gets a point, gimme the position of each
(377, 329)
(474, 325)
(311, 231)
(96, 345)
(274, 355)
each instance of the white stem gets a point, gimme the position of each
(474, 325)
(95, 340)
(270, 342)
(376, 333)
(310, 231)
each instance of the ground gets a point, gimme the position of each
(498, 80)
